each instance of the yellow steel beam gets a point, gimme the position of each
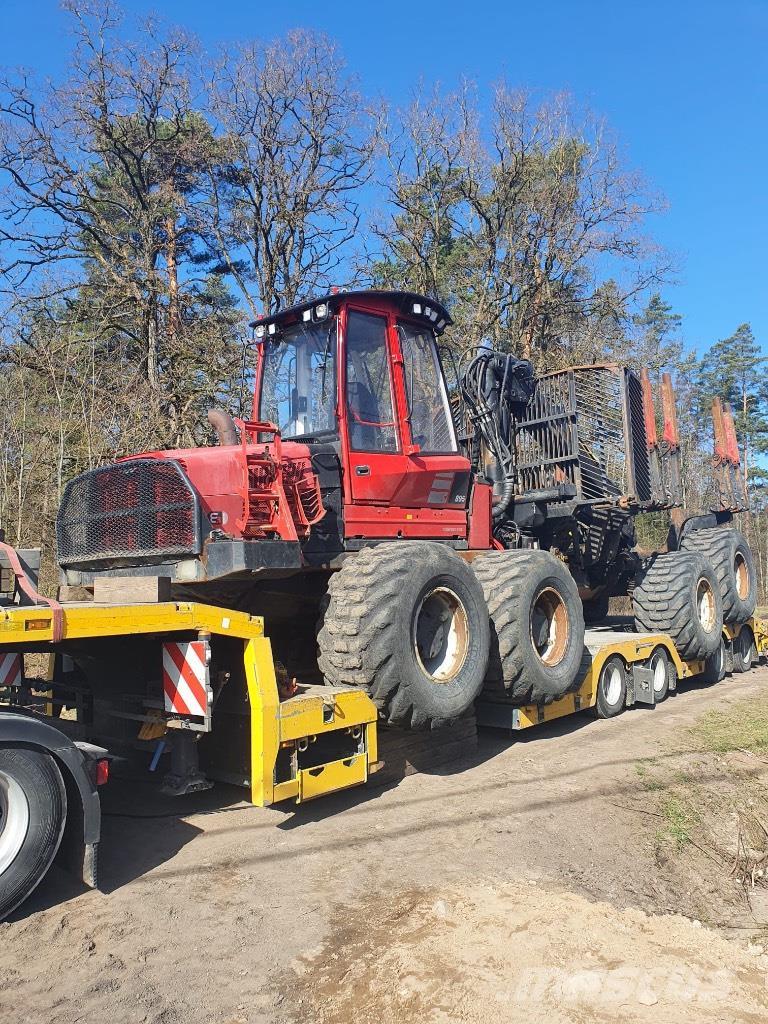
(87, 620)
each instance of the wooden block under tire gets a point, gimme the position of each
(131, 589)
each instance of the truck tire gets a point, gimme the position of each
(537, 625)
(678, 594)
(33, 810)
(734, 566)
(744, 652)
(611, 688)
(661, 668)
(715, 666)
(407, 622)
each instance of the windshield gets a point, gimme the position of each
(298, 389)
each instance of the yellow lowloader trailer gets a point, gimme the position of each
(195, 682)
(199, 684)
(622, 668)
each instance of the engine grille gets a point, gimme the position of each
(140, 510)
(585, 427)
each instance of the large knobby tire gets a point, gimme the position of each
(678, 594)
(734, 566)
(33, 810)
(537, 625)
(407, 621)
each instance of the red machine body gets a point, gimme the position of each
(351, 439)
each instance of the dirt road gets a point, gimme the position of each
(520, 887)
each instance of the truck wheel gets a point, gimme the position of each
(731, 558)
(611, 688)
(596, 609)
(662, 668)
(407, 621)
(537, 625)
(33, 809)
(743, 650)
(678, 594)
(714, 666)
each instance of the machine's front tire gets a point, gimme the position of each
(734, 566)
(678, 594)
(33, 810)
(407, 621)
(537, 625)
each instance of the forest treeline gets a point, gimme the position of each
(155, 198)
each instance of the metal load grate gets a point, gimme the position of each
(585, 427)
(138, 510)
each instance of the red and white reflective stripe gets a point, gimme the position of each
(10, 670)
(185, 677)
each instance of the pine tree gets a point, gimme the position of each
(734, 370)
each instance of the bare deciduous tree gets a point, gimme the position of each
(285, 203)
(512, 225)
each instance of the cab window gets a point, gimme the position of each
(428, 410)
(369, 385)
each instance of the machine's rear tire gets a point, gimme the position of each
(33, 810)
(407, 621)
(537, 625)
(679, 594)
(731, 558)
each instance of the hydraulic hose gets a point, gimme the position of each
(496, 388)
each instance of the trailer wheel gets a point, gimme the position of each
(731, 558)
(678, 594)
(611, 688)
(715, 666)
(537, 625)
(407, 621)
(33, 808)
(743, 650)
(662, 668)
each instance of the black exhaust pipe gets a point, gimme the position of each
(224, 426)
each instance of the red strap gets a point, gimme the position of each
(25, 584)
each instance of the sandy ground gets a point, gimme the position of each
(520, 887)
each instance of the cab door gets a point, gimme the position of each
(439, 476)
(376, 460)
(405, 476)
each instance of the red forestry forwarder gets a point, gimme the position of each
(419, 541)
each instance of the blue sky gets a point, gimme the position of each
(684, 85)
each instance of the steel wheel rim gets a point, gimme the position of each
(549, 626)
(14, 820)
(612, 685)
(441, 635)
(705, 605)
(741, 571)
